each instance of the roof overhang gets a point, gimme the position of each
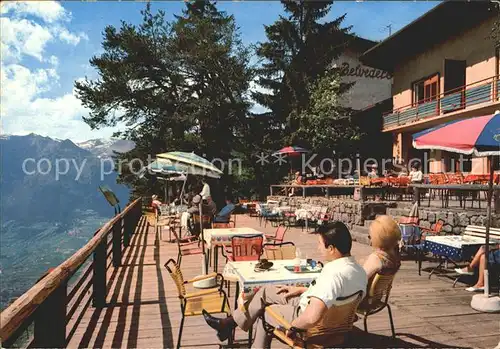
(446, 20)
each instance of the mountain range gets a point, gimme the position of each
(50, 203)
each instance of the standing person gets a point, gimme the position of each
(296, 181)
(205, 191)
(416, 176)
(303, 307)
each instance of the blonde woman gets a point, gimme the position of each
(384, 236)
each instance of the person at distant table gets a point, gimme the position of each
(416, 176)
(296, 181)
(155, 203)
(373, 173)
(210, 208)
(225, 214)
(479, 260)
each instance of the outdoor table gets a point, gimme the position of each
(218, 238)
(453, 248)
(250, 281)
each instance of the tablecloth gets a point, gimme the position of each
(223, 236)
(251, 281)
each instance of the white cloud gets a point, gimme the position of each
(23, 37)
(69, 38)
(48, 11)
(53, 60)
(26, 30)
(25, 111)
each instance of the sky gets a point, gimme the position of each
(46, 47)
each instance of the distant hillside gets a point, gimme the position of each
(37, 194)
(45, 219)
(105, 147)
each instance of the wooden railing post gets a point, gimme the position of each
(99, 276)
(50, 320)
(127, 222)
(117, 243)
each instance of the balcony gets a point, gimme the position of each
(469, 97)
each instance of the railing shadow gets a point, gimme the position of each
(118, 274)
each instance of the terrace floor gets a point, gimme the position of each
(143, 308)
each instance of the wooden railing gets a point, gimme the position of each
(49, 307)
(476, 93)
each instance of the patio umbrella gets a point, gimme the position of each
(196, 165)
(192, 163)
(163, 168)
(291, 151)
(479, 136)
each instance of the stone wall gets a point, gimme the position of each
(355, 213)
(349, 211)
(455, 221)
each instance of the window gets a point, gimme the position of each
(426, 90)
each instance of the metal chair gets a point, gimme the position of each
(377, 299)
(330, 331)
(187, 247)
(244, 248)
(213, 300)
(285, 250)
(279, 235)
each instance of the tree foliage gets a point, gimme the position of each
(177, 85)
(185, 85)
(299, 49)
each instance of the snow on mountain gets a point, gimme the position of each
(103, 148)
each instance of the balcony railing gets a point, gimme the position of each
(460, 98)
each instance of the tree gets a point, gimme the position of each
(325, 125)
(177, 85)
(299, 50)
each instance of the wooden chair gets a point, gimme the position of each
(213, 300)
(279, 235)
(436, 230)
(330, 331)
(244, 248)
(187, 247)
(285, 250)
(377, 299)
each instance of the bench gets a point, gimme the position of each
(480, 232)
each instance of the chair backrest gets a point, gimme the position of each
(246, 248)
(206, 220)
(337, 322)
(438, 226)
(280, 232)
(285, 250)
(176, 274)
(379, 290)
(177, 239)
(480, 231)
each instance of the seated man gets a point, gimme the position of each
(479, 260)
(210, 208)
(303, 307)
(194, 208)
(225, 214)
